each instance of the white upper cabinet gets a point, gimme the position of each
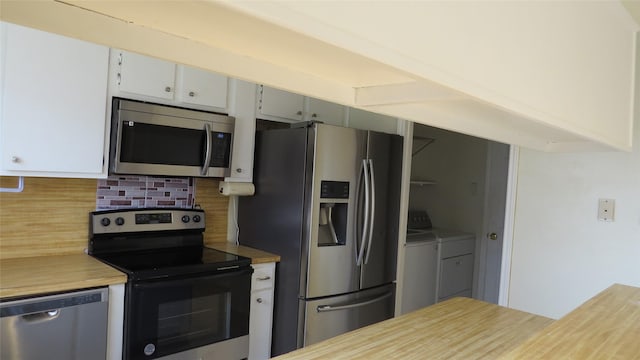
(53, 104)
(201, 87)
(326, 112)
(242, 106)
(144, 75)
(274, 104)
(151, 79)
(278, 105)
(361, 119)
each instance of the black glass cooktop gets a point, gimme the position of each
(173, 262)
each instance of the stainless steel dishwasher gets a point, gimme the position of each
(62, 326)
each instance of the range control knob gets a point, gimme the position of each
(196, 218)
(185, 219)
(119, 221)
(105, 221)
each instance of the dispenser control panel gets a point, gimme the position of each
(334, 189)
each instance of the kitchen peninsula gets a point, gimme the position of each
(606, 326)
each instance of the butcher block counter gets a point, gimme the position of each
(256, 256)
(44, 274)
(605, 327)
(459, 328)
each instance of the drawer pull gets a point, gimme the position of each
(264, 278)
(259, 300)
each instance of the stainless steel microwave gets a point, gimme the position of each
(154, 139)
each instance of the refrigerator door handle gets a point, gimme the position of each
(365, 227)
(325, 308)
(357, 213)
(372, 211)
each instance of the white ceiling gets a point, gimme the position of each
(633, 6)
(325, 53)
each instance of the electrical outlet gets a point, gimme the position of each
(606, 209)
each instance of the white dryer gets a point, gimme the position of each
(438, 263)
(455, 263)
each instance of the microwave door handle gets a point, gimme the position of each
(373, 209)
(207, 156)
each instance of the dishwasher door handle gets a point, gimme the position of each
(41, 316)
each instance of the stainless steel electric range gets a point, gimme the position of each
(182, 300)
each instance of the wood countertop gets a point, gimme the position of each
(55, 273)
(256, 256)
(605, 327)
(459, 328)
(44, 274)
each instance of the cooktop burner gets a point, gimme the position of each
(156, 243)
(173, 262)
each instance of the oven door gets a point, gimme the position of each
(167, 316)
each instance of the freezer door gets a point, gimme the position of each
(332, 246)
(384, 154)
(329, 317)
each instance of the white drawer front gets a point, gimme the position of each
(263, 276)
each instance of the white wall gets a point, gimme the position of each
(562, 255)
(457, 163)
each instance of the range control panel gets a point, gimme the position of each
(141, 220)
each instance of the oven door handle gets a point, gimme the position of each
(164, 279)
(207, 156)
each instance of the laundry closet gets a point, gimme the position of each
(445, 226)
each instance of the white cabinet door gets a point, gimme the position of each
(146, 75)
(360, 119)
(261, 312)
(201, 87)
(327, 112)
(54, 95)
(280, 104)
(260, 320)
(242, 106)
(456, 275)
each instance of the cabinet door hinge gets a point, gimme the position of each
(119, 75)
(261, 91)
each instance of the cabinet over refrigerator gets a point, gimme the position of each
(327, 201)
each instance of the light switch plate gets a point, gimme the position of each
(606, 209)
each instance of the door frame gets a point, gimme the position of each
(509, 221)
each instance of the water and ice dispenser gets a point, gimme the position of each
(333, 213)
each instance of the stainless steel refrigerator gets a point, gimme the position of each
(326, 201)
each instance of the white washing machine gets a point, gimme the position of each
(421, 271)
(438, 263)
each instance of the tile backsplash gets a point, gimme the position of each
(130, 191)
